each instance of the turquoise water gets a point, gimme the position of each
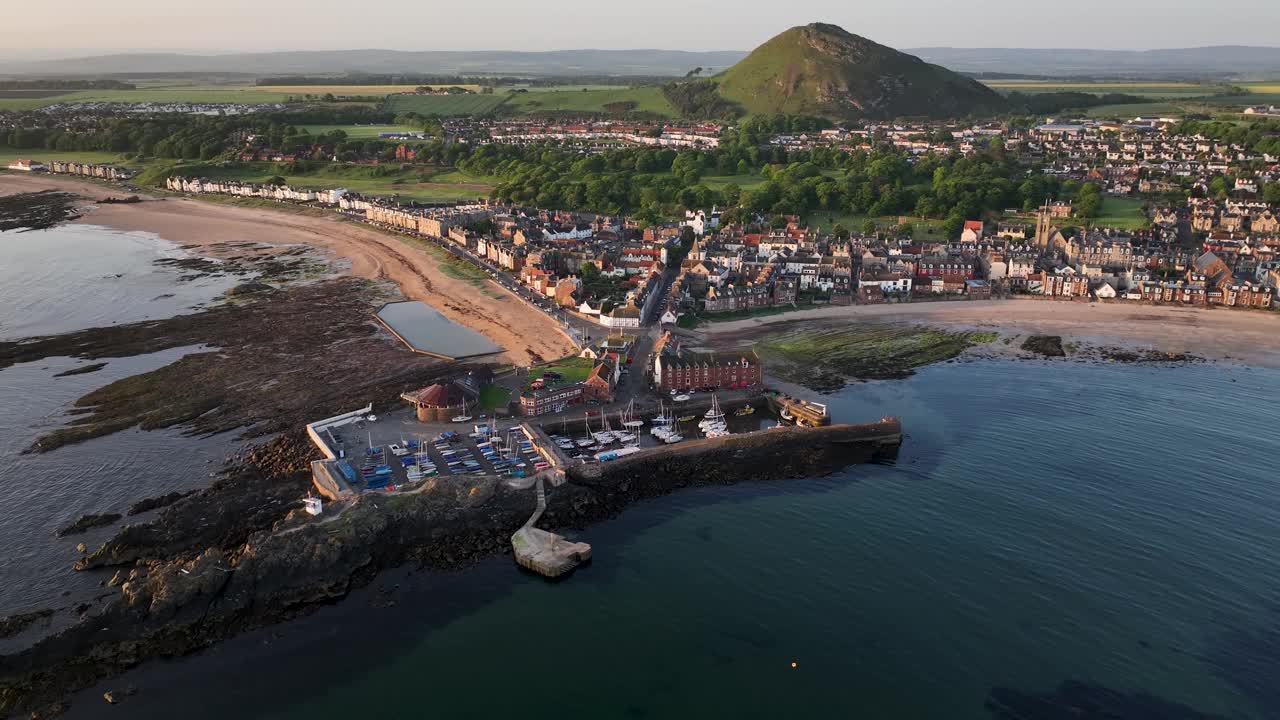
(1046, 522)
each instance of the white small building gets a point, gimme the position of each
(622, 317)
(701, 221)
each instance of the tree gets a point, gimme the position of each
(1271, 193)
(276, 181)
(840, 231)
(869, 227)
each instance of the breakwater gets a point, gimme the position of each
(175, 603)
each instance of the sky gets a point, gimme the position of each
(90, 26)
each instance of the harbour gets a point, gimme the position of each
(921, 588)
(399, 453)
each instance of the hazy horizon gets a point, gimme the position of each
(293, 25)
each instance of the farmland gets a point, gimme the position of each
(444, 105)
(211, 94)
(351, 89)
(634, 99)
(1145, 89)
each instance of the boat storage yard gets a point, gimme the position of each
(398, 453)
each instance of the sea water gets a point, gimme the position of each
(59, 280)
(1045, 522)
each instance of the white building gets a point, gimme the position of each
(28, 166)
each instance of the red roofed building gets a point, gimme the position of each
(437, 403)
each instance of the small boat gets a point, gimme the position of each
(688, 418)
(748, 410)
(681, 398)
(462, 418)
(786, 415)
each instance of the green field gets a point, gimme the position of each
(351, 89)
(563, 88)
(1153, 89)
(410, 182)
(746, 182)
(640, 99)
(1123, 213)
(572, 369)
(361, 132)
(221, 94)
(445, 105)
(8, 155)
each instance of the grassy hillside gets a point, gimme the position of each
(823, 70)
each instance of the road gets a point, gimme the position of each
(583, 330)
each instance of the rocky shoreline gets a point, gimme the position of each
(37, 210)
(260, 560)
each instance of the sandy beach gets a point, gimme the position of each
(522, 331)
(1248, 336)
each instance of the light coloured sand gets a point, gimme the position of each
(1248, 336)
(525, 333)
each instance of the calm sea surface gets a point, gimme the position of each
(54, 281)
(1046, 522)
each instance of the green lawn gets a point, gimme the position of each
(1123, 213)
(494, 396)
(452, 265)
(746, 182)
(476, 104)
(573, 369)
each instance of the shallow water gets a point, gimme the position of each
(54, 281)
(73, 277)
(1045, 522)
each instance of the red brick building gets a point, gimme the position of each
(675, 369)
(544, 401)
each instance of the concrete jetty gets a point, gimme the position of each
(545, 552)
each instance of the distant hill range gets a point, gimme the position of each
(1215, 62)
(822, 69)
(1227, 61)
(668, 63)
